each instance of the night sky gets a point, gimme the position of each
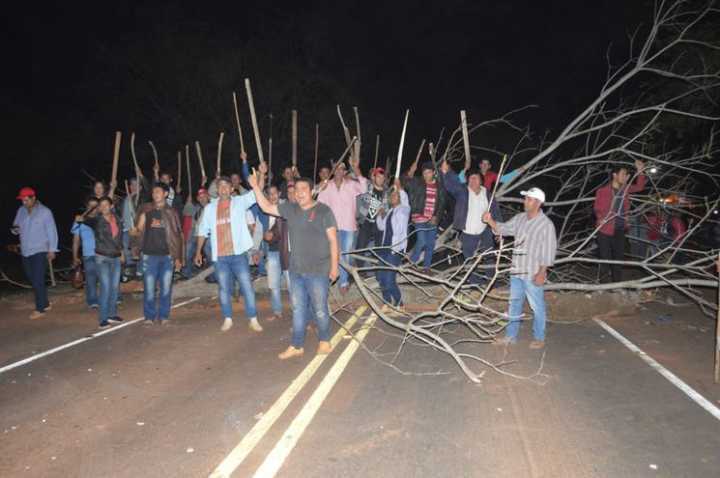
(167, 72)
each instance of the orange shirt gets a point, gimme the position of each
(224, 230)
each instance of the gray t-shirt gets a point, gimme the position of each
(309, 245)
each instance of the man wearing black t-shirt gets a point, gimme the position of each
(369, 204)
(162, 246)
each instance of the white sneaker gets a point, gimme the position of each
(254, 325)
(227, 324)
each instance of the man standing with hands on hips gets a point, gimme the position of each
(534, 251)
(314, 259)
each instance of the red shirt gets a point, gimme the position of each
(489, 179)
(430, 197)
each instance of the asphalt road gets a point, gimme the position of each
(174, 402)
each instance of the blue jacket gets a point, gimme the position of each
(460, 193)
(242, 242)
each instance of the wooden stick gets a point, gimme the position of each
(495, 186)
(219, 154)
(116, 157)
(248, 89)
(179, 174)
(237, 121)
(127, 189)
(270, 148)
(358, 143)
(52, 273)
(346, 131)
(402, 145)
(132, 152)
(420, 151)
(317, 146)
(200, 160)
(431, 151)
(155, 154)
(137, 169)
(294, 137)
(377, 150)
(466, 136)
(717, 329)
(189, 176)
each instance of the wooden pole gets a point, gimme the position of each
(127, 189)
(346, 131)
(189, 176)
(294, 137)
(466, 136)
(179, 175)
(251, 103)
(155, 154)
(270, 148)
(138, 184)
(377, 150)
(420, 150)
(116, 157)
(200, 160)
(358, 135)
(402, 144)
(317, 146)
(717, 328)
(52, 273)
(219, 154)
(237, 121)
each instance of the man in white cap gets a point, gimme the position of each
(533, 252)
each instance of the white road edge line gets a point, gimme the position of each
(51, 351)
(258, 431)
(686, 389)
(287, 442)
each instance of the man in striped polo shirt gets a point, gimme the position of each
(533, 252)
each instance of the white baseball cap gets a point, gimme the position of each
(536, 193)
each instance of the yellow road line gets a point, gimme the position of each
(253, 437)
(287, 442)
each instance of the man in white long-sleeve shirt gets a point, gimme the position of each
(534, 251)
(393, 227)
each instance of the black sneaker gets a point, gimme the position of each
(105, 325)
(115, 320)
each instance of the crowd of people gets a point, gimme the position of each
(299, 234)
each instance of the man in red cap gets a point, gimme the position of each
(35, 225)
(368, 206)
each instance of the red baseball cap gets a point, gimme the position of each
(26, 192)
(202, 191)
(378, 171)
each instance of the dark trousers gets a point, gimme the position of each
(611, 248)
(367, 235)
(35, 268)
(388, 278)
(477, 244)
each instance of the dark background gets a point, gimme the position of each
(167, 71)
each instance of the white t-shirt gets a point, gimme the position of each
(477, 206)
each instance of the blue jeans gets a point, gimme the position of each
(228, 270)
(477, 244)
(109, 272)
(519, 290)
(158, 269)
(91, 281)
(309, 290)
(189, 268)
(346, 240)
(387, 278)
(275, 275)
(35, 268)
(425, 236)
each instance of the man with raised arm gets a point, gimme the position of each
(314, 258)
(224, 220)
(534, 252)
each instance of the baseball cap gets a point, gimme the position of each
(25, 192)
(202, 191)
(377, 171)
(536, 193)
